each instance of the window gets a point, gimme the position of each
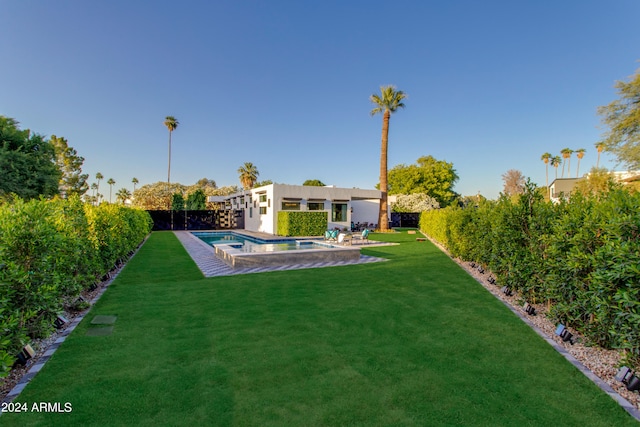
(339, 212)
(263, 210)
(263, 198)
(250, 212)
(290, 206)
(315, 206)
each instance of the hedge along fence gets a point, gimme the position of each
(581, 257)
(51, 250)
(293, 223)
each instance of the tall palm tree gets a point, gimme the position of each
(386, 103)
(94, 187)
(545, 158)
(110, 182)
(555, 162)
(171, 123)
(135, 182)
(248, 175)
(566, 154)
(579, 154)
(122, 195)
(600, 147)
(99, 176)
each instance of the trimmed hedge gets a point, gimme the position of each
(294, 223)
(50, 251)
(581, 257)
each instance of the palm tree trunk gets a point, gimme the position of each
(383, 218)
(169, 168)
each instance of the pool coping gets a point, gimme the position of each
(211, 266)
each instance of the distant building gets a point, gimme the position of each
(561, 188)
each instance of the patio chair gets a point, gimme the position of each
(331, 235)
(364, 236)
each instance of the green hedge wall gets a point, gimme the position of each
(581, 257)
(294, 223)
(50, 251)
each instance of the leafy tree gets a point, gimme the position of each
(248, 175)
(72, 181)
(263, 183)
(513, 182)
(197, 200)
(172, 124)
(579, 154)
(622, 117)
(314, 183)
(386, 103)
(435, 178)
(110, 182)
(566, 154)
(122, 195)
(156, 196)
(27, 163)
(414, 203)
(597, 181)
(177, 202)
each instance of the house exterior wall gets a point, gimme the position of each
(261, 205)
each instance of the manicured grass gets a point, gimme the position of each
(411, 341)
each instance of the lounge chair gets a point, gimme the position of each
(331, 235)
(344, 239)
(364, 236)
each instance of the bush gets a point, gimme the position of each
(291, 223)
(49, 252)
(580, 256)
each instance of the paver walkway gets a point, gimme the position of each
(211, 266)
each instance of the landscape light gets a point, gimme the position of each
(473, 264)
(480, 269)
(628, 378)
(27, 353)
(564, 333)
(492, 280)
(531, 311)
(506, 290)
(60, 321)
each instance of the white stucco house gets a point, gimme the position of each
(343, 205)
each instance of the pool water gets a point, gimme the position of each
(252, 245)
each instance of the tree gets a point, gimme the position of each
(597, 181)
(555, 162)
(546, 157)
(600, 147)
(314, 183)
(566, 154)
(122, 195)
(197, 200)
(99, 177)
(156, 196)
(414, 203)
(135, 182)
(622, 116)
(248, 175)
(513, 182)
(177, 202)
(172, 124)
(386, 103)
(579, 154)
(110, 182)
(72, 180)
(435, 178)
(27, 163)
(263, 183)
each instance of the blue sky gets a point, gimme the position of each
(285, 84)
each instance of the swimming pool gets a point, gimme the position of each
(239, 250)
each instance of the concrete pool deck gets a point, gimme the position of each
(211, 266)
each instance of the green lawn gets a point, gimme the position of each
(411, 341)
